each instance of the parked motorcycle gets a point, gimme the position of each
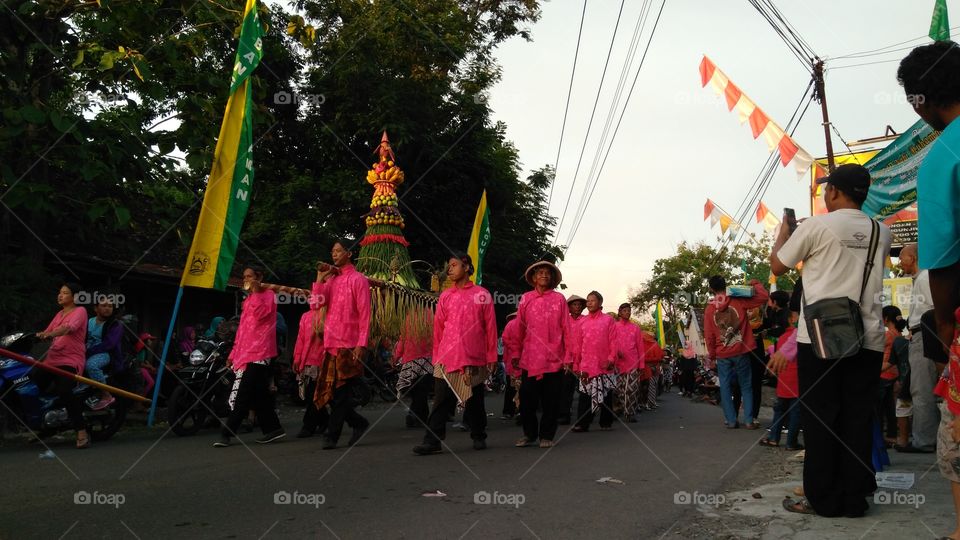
(205, 383)
(25, 407)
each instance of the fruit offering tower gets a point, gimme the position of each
(383, 251)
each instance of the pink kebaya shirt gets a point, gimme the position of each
(464, 328)
(544, 328)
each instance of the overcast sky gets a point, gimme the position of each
(678, 144)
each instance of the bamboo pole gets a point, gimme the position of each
(79, 378)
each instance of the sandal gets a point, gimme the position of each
(83, 442)
(523, 442)
(768, 443)
(579, 429)
(798, 507)
(546, 443)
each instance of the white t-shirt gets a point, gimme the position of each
(833, 248)
(921, 300)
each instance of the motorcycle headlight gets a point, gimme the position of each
(197, 358)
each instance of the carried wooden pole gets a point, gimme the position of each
(79, 378)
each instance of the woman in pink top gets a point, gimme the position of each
(629, 351)
(307, 359)
(413, 353)
(465, 345)
(253, 348)
(68, 330)
(544, 327)
(595, 363)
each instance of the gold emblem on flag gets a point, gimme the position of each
(199, 264)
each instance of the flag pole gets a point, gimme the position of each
(163, 356)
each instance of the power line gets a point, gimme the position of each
(616, 130)
(793, 44)
(590, 123)
(866, 64)
(566, 108)
(877, 51)
(615, 102)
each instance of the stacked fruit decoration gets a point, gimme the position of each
(383, 251)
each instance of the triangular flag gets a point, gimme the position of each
(725, 222)
(708, 209)
(940, 23)
(765, 216)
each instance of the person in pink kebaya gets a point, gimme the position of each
(544, 328)
(629, 350)
(253, 349)
(594, 362)
(511, 358)
(464, 350)
(576, 305)
(346, 293)
(307, 360)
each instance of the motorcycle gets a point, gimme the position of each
(26, 407)
(205, 383)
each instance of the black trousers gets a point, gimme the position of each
(688, 367)
(62, 387)
(254, 395)
(419, 394)
(543, 393)
(342, 410)
(837, 415)
(444, 405)
(569, 388)
(509, 392)
(585, 413)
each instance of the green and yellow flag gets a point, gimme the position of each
(939, 23)
(228, 192)
(479, 239)
(658, 318)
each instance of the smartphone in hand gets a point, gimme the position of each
(790, 217)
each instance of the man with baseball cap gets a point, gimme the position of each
(836, 393)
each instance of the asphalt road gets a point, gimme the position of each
(152, 484)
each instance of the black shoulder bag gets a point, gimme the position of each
(835, 325)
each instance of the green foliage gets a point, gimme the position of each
(111, 111)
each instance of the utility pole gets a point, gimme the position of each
(821, 96)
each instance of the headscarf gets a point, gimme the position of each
(187, 336)
(212, 330)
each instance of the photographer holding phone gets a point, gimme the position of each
(838, 361)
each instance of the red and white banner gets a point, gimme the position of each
(760, 123)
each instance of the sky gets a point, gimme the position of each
(678, 144)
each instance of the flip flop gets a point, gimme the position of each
(798, 507)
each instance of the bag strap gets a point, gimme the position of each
(871, 253)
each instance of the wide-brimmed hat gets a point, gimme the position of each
(574, 298)
(557, 276)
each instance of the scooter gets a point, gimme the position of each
(26, 408)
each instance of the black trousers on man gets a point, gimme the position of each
(837, 400)
(585, 413)
(509, 392)
(342, 409)
(419, 400)
(444, 405)
(254, 394)
(569, 388)
(543, 394)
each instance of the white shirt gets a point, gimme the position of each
(921, 300)
(833, 248)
